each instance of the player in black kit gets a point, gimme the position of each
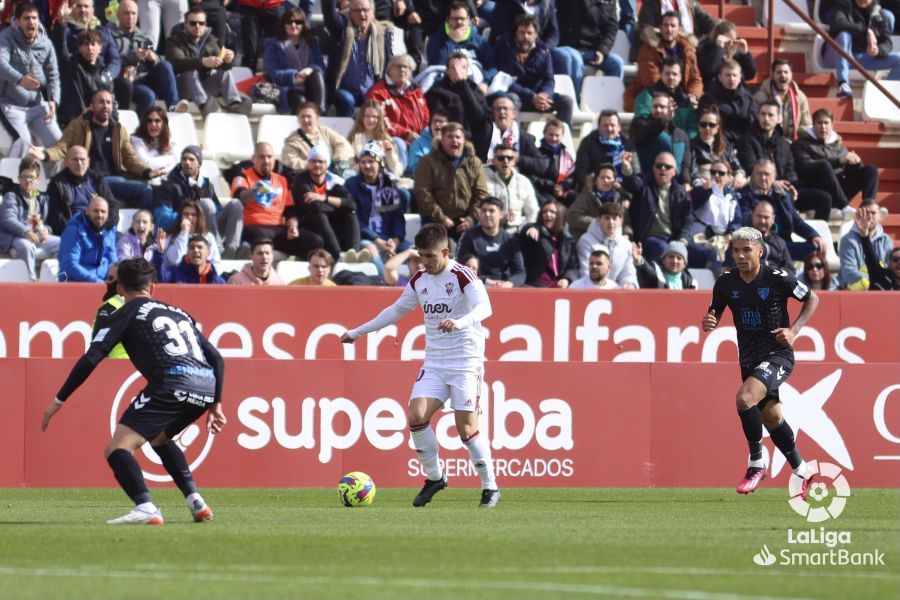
(758, 296)
(184, 374)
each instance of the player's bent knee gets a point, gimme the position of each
(745, 399)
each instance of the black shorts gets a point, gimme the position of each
(164, 411)
(771, 372)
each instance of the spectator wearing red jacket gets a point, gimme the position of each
(405, 110)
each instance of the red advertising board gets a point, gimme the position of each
(305, 423)
(53, 320)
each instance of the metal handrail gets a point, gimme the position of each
(828, 40)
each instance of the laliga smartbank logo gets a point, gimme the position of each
(826, 500)
(194, 441)
(827, 495)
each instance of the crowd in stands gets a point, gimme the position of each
(437, 90)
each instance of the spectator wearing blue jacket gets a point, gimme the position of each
(87, 247)
(525, 57)
(294, 62)
(422, 144)
(379, 207)
(195, 267)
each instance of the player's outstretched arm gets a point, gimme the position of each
(481, 308)
(393, 313)
(786, 335)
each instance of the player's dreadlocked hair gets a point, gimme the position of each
(136, 274)
(430, 236)
(748, 234)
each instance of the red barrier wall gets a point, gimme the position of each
(527, 325)
(305, 423)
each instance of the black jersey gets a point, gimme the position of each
(758, 307)
(164, 344)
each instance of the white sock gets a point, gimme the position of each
(801, 470)
(147, 507)
(758, 464)
(191, 498)
(427, 449)
(480, 454)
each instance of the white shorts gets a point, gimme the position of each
(462, 387)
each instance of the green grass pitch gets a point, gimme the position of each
(547, 543)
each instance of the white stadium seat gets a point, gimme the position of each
(49, 270)
(787, 18)
(413, 225)
(126, 216)
(13, 269)
(342, 125)
(227, 266)
(563, 85)
(365, 268)
(183, 130)
(601, 93)
(210, 170)
(824, 231)
(227, 137)
(275, 129)
(877, 107)
(129, 120)
(289, 270)
(622, 48)
(705, 278)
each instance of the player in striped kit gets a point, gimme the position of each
(454, 302)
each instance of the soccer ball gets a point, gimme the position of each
(356, 489)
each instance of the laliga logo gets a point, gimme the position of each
(187, 438)
(815, 510)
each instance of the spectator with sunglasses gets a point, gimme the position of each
(710, 145)
(520, 203)
(883, 278)
(716, 215)
(816, 274)
(660, 209)
(866, 229)
(294, 62)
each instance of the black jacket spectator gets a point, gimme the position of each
(545, 11)
(62, 189)
(703, 154)
(754, 145)
(594, 151)
(545, 176)
(736, 107)
(847, 16)
(538, 254)
(787, 219)
(176, 190)
(500, 256)
(588, 24)
(465, 104)
(710, 56)
(644, 203)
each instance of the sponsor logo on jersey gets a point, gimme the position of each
(751, 318)
(193, 398)
(433, 308)
(763, 292)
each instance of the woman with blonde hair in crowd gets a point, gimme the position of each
(370, 126)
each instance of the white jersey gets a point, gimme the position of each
(454, 293)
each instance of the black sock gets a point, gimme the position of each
(783, 437)
(128, 474)
(173, 460)
(751, 420)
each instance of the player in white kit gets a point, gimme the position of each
(454, 303)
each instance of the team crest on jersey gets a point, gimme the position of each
(763, 292)
(449, 288)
